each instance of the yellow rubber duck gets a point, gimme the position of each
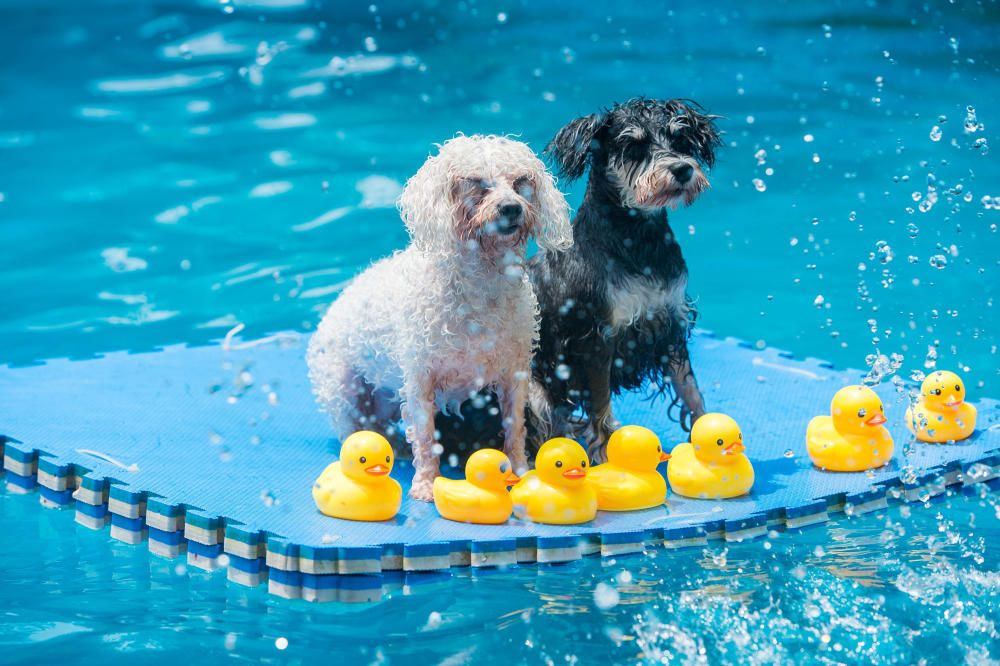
(482, 498)
(629, 480)
(853, 438)
(712, 465)
(358, 486)
(556, 491)
(941, 414)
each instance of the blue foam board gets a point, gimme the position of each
(233, 439)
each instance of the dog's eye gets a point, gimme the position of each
(524, 187)
(363, 460)
(559, 463)
(476, 183)
(636, 149)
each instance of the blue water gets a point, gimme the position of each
(169, 170)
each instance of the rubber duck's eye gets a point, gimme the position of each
(936, 391)
(559, 463)
(659, 450)
(387, 458)
(719, 442)
(861, 413)
(504, 467)
(881, 408)
(957, 387)
(583, 464)
(363, 460)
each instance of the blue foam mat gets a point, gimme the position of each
(226, 443)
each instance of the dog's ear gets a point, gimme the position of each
(572, 145)
(700, 131)
(427, 206)
(555, 233)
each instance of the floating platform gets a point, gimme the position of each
(211, 452)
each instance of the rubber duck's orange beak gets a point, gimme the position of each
(377, 470)
(575, 473)
(734, 448)
(953, 401)
(876, 419)
(512, 479)
(664, 456)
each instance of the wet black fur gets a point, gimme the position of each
(613, 242)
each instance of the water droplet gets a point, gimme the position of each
(759, 184)
(979, 472)
(935, 133)
(884, 252)
(605, 596)
(789, 453)
(971, 124)
(563, 371)
(281, 643)
(938, 261)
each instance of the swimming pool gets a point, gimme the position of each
(173, 169)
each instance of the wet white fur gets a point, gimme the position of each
(634, 298)
(436, 322)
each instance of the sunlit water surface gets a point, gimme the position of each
(169, 170)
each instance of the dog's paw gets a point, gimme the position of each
(422, 488)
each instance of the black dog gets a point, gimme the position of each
(615, 312)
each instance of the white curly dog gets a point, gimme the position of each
(453, 313)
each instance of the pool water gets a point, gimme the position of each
(170, 170)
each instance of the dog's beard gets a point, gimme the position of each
(496, 236)
(651, 185)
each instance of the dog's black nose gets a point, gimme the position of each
(510, 211)
(682, 172)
